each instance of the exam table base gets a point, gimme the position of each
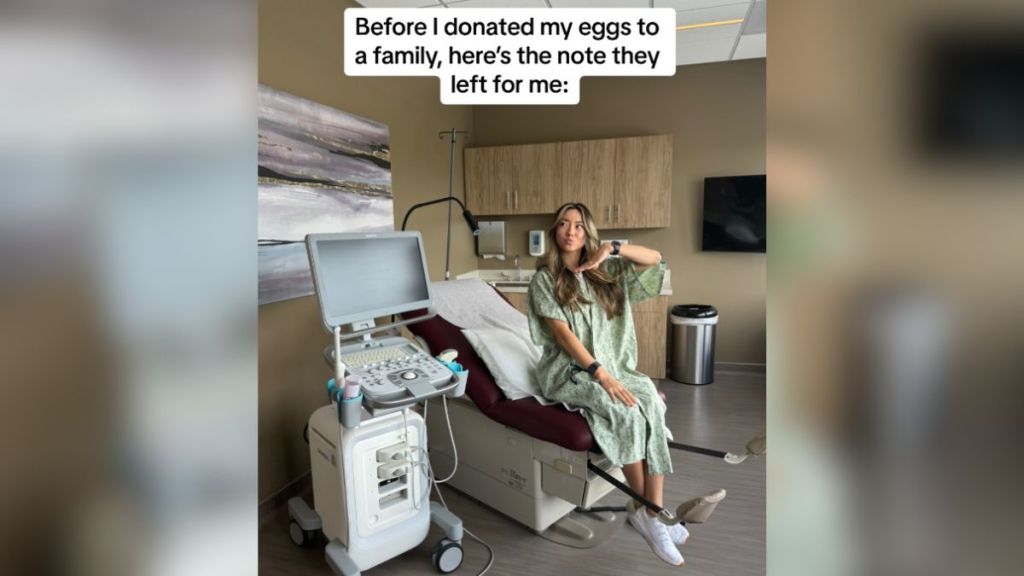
(536, 483)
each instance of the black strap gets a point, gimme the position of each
(697, 450)
(625, 488)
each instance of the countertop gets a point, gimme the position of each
(518, 281)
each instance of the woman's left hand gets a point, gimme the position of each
(594, 261)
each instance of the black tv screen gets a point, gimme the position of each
(734, 214)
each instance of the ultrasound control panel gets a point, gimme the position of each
(393, 368)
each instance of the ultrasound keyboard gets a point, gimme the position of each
(393, 368)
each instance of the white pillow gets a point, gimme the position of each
(511, 358)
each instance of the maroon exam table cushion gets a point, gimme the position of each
(553, 423)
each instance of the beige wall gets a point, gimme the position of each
(300, 52)
(716, 114)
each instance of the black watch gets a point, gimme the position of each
(592, 369)
(615, 247)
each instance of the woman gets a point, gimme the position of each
(580, 313)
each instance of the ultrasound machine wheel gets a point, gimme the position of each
(447, 556)
(299, 536)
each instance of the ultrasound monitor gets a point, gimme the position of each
(359, 277)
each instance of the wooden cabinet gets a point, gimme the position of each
(511, 180)
(539, 179)
(626, 182)
(491, 177)
(650, 319)
(643, 182)
(588, 176)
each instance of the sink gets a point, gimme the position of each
(510, 283)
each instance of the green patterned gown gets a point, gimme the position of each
(625, 434)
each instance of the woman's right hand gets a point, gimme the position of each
(614, 388)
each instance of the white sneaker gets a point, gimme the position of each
(677, 532)
(657, 537)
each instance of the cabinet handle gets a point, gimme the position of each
(608, 213)
(515, 195)
(618, 212)
(508, 202)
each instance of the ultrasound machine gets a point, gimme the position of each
(370, 470)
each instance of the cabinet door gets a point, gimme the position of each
(643, 182)
(504, 177)
(651, 321)
(478, 167)
(539, 182)
(588, 176)
(490, 179)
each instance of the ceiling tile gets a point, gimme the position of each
(713, 51)
(751, 46)
(715, 14)
(757, 21)
(699, 35)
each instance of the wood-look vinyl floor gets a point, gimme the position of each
(723, 415)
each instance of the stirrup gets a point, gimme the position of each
(756, 447)
(697, 510)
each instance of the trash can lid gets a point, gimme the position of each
(694, 311)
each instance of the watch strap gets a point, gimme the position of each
(592, 369)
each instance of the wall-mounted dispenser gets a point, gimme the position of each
(491, 241)
(536, 242)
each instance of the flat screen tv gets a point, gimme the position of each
(734, 214)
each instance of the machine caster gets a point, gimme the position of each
(305, 522)
(447, 556)
(299, 536)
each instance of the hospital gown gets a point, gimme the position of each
(625, 434)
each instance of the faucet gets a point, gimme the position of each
(519, 272)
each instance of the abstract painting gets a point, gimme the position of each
(320, 170)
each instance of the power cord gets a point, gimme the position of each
(455, 450)
(490, 551)
(435, 483)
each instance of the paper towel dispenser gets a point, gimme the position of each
(491, 241)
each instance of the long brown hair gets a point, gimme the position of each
(567, 288)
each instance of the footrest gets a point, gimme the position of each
(698, 510)
(757, 445)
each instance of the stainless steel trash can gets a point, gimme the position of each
(693, 343)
